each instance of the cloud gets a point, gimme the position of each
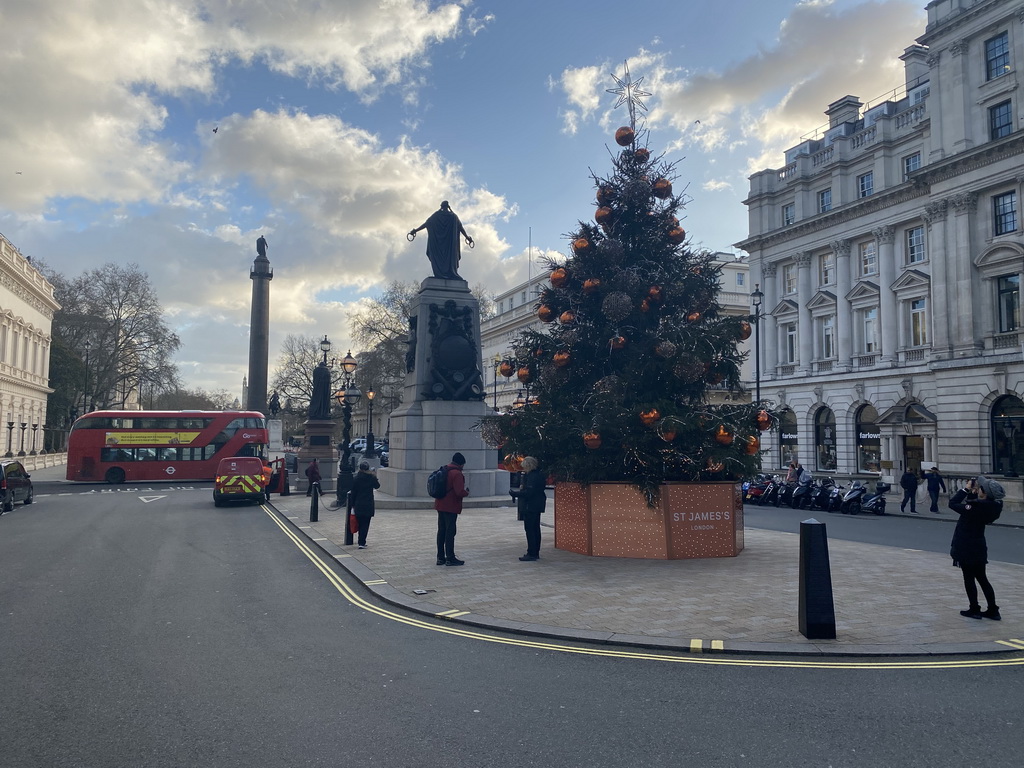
(716, 185)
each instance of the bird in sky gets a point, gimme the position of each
(215, 129)
(17, 173)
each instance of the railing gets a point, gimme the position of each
(1006, 341)
(787, 370)
(823, 366)
(865, 361)
(863, 138)
(910, 116)
(824, 157)
(788, 171)
(913, 356)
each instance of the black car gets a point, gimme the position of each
(15, 485)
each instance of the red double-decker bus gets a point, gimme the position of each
(133, 446)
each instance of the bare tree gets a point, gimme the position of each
(293, 377)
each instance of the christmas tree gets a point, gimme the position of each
(618, 381)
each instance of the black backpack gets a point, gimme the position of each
(437, 483)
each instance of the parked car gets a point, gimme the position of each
(241, 478)
(15, 485)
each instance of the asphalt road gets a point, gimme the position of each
(143, 631)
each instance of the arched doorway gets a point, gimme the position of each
(789, 439)
(1007, 430)
(869, 440)
(825, 439)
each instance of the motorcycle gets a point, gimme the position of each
(771, 492)
(785, 494)
(754, 489)
(803, 493)
(822, 493)
(858, 500)
(835, 498)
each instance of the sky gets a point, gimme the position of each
(172, 134)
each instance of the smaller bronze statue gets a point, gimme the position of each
(320, 400)
(443, 247)
(275, 405)
(261, 247)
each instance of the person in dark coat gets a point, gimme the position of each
(935, 482)
(313, 475)
(363, 485)
(978, 504)
(909, 485)
(448, 510)
(531, 502)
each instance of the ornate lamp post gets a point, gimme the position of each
(10, 434)
(346, 397)
(371, 451)
(757, 297)
(35, 434)
(24, 426)
(85, 394)
(497, 364)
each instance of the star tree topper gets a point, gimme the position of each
(629, 93)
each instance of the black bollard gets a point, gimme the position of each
(817, 610)
(286, 489)
(314, 503)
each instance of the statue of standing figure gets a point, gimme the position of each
(261, 247)
(443, 247)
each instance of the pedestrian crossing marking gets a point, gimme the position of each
(696, 645)
(451, 613)
(1013, 643)
(375, 581)
(717, 645)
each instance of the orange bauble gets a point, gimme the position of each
(592, 440)
(650, 417)
(567, 317)
(753, 445)
(617, 342)
(538, 352)
(723, 435)
(581, 245)
(676, 235)
(524, 375)
(605, 195)
(545, 313)
(561, 358)
(625, 136)
(745, 330)
(506, 368)
(591, 284)
(654, 293)
(642, 155)
(693, 317)
(514, 462)
(662, 188)
(645, 305)
(668, 435)
(763, 421)
(604, 216)
(558, 277)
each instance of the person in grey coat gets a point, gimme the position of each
(531, 502)
(363, 486)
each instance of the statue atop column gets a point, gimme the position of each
(261, 247)
(443, 247)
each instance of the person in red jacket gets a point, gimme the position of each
(448, 510)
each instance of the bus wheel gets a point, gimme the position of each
(114, 476)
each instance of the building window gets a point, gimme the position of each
(826, 337)
(789, 278)
(789, 442)
(868, 258)
(1005, 210)
(918, 322)
(1000, 120)
(501, 307)
(997, 56)
(869, 440)
(788, 214)
(740, 278)
(910, 164)
(1009, 303)
(789, 352)
(1007, 424)
(825, 201)
(869, 330)
(827, 269)
(825, 439)
(866, 184)
(915, 245)
(522, 298)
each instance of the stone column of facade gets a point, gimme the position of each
(887, 320)
(961, 102)
(770, 332)
(965, 206)
(806, 328)
(841, 249)
(941, 290)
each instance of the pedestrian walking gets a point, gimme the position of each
(313, 475)
(531, 502)
(935, 482)
(909, 485)
(363, 485)
(978, 505)
(449, 507)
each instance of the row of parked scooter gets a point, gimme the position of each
(808, 493)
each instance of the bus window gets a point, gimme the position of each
(117, 454)
(167, 454)
(145, 454)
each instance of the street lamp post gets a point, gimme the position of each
(757, 297)
(10, 435)
(370, 452)
(24, 426)
(85, 394)
(497, 364)
(35, 434)
(346, 397)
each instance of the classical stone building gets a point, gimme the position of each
(890, 253)
(26, 314)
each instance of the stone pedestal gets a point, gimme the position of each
(443, 399)
(318, 445)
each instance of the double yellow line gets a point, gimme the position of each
(621, 653)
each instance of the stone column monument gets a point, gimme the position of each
(444, 395)
(259, 329)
